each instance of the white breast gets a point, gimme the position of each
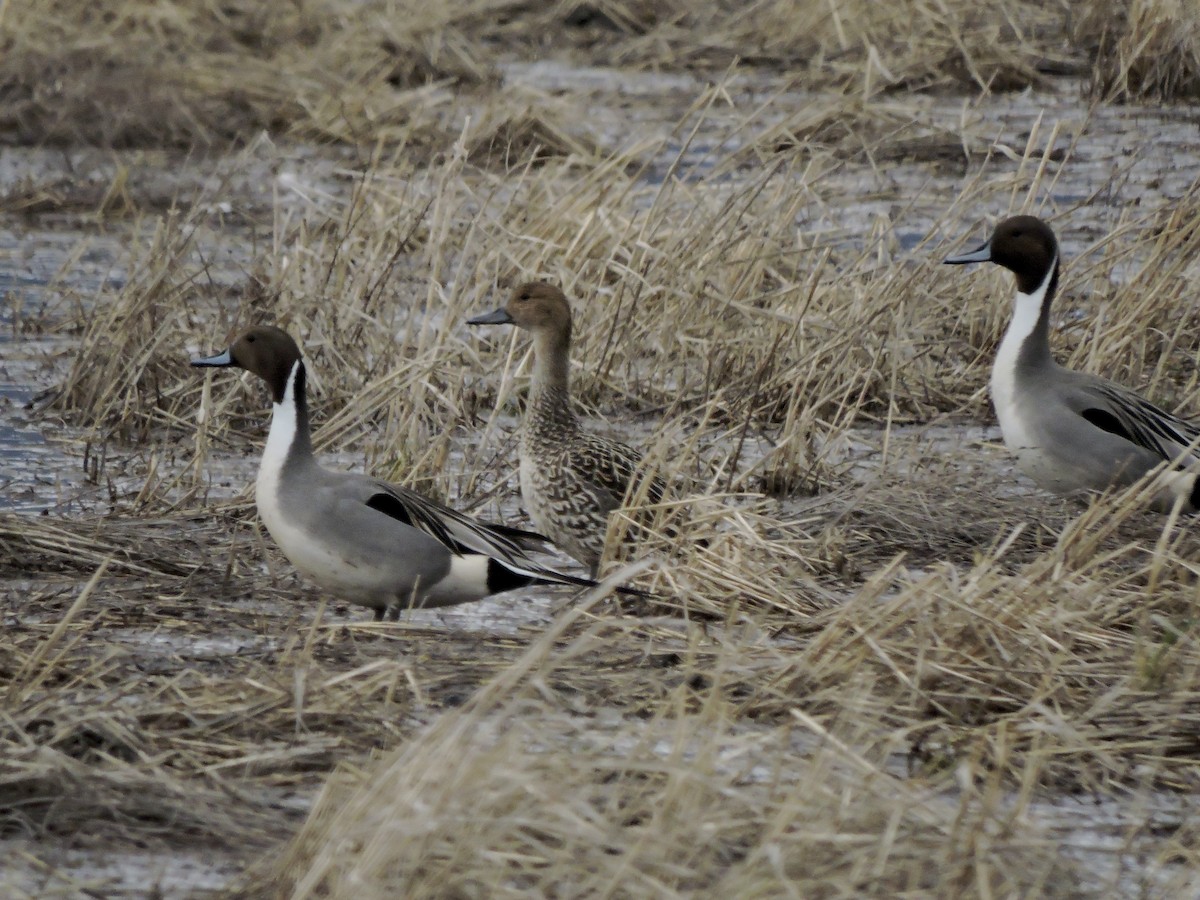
(314, 558)
(1017, 430)
(270, 470)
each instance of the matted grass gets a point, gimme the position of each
(1145, 50)
(914, 44)
(676, 802)
(197, 73)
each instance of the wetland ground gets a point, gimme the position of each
(881, 663)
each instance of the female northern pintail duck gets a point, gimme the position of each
(367, 541)
(570, 480)
(1072, 431)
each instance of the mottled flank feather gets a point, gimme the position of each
(571, 481)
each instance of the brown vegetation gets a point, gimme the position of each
(1144, 49)
(878, 663)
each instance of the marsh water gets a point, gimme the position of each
(53, 265)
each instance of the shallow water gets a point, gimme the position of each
(133, 874)
(34, 468)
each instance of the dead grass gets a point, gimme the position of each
(671, 804)
(1064, 661)
(922, 714)
(999, 44)
(1145, 50)
(506, 140)
(878, 663)
(198, 73)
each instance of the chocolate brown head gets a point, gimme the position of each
(1025, 245)
(267, 351)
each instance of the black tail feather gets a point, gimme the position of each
(501, 578)
(1194, 497)
(526, 540)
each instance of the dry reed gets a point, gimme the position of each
(1144, 49)
(194, 73)
(876, 659)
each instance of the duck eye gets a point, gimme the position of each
(249, 339)
(523, 297)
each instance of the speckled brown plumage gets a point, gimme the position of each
(570, 480)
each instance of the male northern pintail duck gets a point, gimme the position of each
(1072, 431)
(570, 480)
(372, 543)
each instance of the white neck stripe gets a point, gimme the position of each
(284, 423)
(289, 388)
(1027, 309)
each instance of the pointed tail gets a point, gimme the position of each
(506, 577)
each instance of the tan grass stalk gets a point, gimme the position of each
(1146, 49)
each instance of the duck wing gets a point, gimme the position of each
(1120, 411)
(457, 531)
